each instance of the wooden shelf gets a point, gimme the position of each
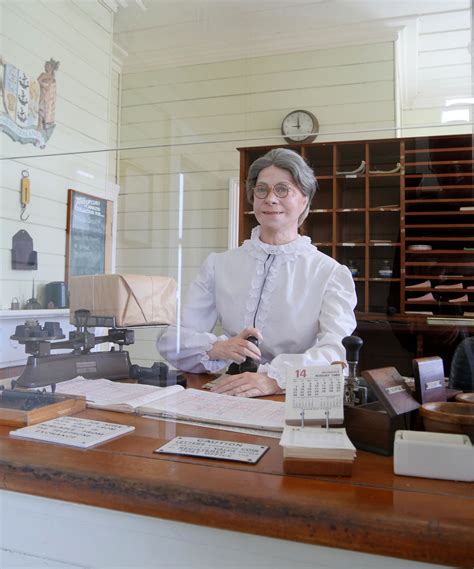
(435, 150)
(436, 264)
(437, 212)
(440, 252)
(425, 277)
(438, 303)
(438, 226)
(434, 238)
(437, 200)
(457, 291)
(368, 218)
(438, 162)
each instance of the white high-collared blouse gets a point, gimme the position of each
(301, 300)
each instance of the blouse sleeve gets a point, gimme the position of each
(186, 345)
(336, 320)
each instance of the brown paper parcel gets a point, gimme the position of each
(134, 300)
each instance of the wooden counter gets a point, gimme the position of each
(374, 511)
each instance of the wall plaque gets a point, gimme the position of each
(28, 106)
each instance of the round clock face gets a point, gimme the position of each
(300, 126)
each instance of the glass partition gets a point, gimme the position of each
(169, 148)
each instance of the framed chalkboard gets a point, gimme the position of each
(88, 235)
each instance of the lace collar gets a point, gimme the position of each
(289, 250)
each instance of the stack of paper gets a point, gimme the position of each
(317, 443)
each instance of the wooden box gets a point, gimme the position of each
(430, 381)
(16, 416)
(372, 427)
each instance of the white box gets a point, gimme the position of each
(433, 455)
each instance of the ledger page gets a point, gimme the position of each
(106, 394)
(218, 408)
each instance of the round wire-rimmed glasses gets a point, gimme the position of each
(281, 190)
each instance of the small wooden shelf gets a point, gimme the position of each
(437, 200)
(438, 264)
(457, 291)
(463, 239)
(383, 280)
(382, 208)
(424, 277)
(435, 150)
(437, 303)
(436, 212)
(446, 225)
(440, 252)
(350, 210)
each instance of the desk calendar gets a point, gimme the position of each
(314, 394)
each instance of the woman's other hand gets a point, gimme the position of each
(246, 384)
(238, 348)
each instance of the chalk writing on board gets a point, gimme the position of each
(87, 234)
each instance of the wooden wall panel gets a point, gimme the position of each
(79, 35)
(444, 73)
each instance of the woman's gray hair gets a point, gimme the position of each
(288, 160)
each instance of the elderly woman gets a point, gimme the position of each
(277, 286)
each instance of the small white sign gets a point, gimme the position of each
(213, 448)
(394, 389)
(72, 431)
(432, 384)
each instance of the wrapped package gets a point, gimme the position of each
(134, 300)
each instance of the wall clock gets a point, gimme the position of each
(300, 126)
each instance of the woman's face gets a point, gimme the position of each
(275, 213)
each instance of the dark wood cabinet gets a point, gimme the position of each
(399, 213)
(438, 205)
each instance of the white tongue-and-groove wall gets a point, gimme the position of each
(79, 35)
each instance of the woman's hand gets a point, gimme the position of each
(247, 384)
(236, 348)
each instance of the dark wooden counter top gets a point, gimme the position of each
(373, 511)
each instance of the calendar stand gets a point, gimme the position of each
(317, 467)
(313, 406)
